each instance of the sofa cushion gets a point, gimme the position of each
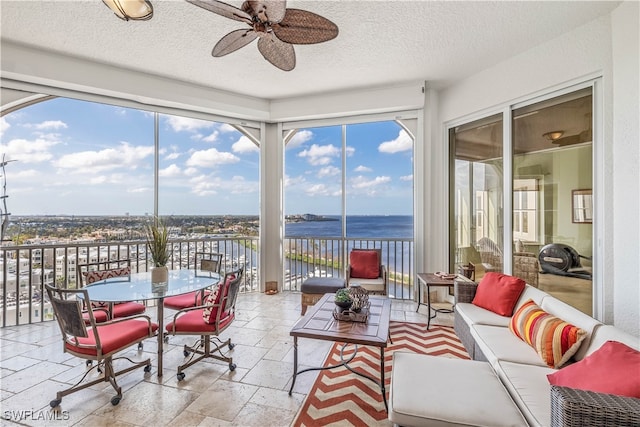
(529, 389)
(498, 292)
(472, 315)
(554, 339)
(603, 333)
(498, 343)
(612, 369)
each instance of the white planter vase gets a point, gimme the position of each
(159, 275)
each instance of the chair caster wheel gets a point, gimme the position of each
(115, 400)
(180, 376)
(55, 403)
(231, 345)
(232, 366)
(147, 368)
(89, 362)
(166, 339)
(186, 353)
(140, 346)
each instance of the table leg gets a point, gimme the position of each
(419, 294)
(295, 364)
(429, 316)
(382, 386)
(160, 333)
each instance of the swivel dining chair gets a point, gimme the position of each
(94, 341)
(119, 270)
(209, 321)
(206, 263)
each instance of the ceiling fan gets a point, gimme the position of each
(276, 27)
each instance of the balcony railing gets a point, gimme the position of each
(26, 268)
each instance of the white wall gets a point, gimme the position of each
(578, 56)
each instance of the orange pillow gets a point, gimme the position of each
(498, 292)
(614, 368)
(554, 340)
(364, 264)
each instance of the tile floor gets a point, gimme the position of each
(33, 367)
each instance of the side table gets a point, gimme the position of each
(429, 280)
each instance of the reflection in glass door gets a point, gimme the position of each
(477, 195)
(552, 185)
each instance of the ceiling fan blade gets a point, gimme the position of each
(277, 52)
(304, 27)
(233, 41)
(267, 10)
(223, 9)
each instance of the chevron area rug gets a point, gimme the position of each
(341, 398)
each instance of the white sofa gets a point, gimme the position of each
(487, 337)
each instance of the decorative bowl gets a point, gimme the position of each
(344, 305)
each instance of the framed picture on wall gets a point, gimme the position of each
(582, 206)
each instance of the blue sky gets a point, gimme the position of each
(81, 158)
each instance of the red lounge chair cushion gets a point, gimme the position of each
(364, 264)
(126, 309)
(191, 322)
(114, 337)
(179, 302)
(100, 316)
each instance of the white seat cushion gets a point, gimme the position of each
(499, 343)
(440, 391)
(472, 314)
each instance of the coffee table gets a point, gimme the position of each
(319, 323)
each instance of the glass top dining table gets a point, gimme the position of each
(140, 288)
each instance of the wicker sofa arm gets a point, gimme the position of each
(464, 289)
(573, 407)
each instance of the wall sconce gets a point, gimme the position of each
(137, 10)
(554, 135)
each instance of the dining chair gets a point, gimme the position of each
(112, 270)
(206, 263)
(93, 341)
(209, 321)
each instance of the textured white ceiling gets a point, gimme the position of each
(380, 42)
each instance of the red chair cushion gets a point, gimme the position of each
(114, 337)
(94, 276)
(192, 322)
(100, 316)
(126, 309)
(364, 264)
(179, 302)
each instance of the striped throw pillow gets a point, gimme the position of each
(553, 339)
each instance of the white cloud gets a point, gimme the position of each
(318, 190)
(212, 137)
(170, 171)
(328, 171)
(191, 171)
(29, 173)
(4, 125)
(362, 168)
(179, 124)
(123, 156)
(226, 128)
(406, 178)
(139, 189)
(244, 145)
(172, 156)
(370, 187)
(402, 143)
(211, 157)
(51, 124)
(299, 138)
(294, 181)
(29, 151)
(320, 155)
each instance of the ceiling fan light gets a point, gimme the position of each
(553, 135)
(137, 10)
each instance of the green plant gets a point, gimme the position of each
(343, 295)
(158, 242)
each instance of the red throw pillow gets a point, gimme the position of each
(364, 264)
(498, 292)
(612, 369)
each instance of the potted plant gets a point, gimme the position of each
(158, 250)
(343, 299)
